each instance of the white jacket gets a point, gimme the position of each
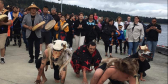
(138, 32)
(121, 23)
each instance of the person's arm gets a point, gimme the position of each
(106, 75)
(158, 29)
(56, 27)
(127, 33)
(141, 76)
(84, 77)
(43, 64)
(142, 33)
(148, 28)
(25, 25)
(9, 20)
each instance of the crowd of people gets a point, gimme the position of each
(87, 31)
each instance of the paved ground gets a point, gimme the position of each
(17, 70)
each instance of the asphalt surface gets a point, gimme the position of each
(17, 70)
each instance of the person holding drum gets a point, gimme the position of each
(17, 20)
(61, 29)
(45, 35)
(5, 20)
(33, 34)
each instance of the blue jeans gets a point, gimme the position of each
(152, 46)
(24, 39)
(132, 46)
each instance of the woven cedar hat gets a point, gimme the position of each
(32, 6)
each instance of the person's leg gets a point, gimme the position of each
(19, 37)
(70, 42)
(135, 46)
(98, 73)
(63, 75)
(125, 46)
(130, 48)
(24, 39)
(82, 39)
(30, 41)
(120, 46)
(116, 48)
(37, 48)
(154, 43)
(56, 73)
(106, 48)
(149, 44)
(11, 33)
(110, 51)
(41, 41)
(15, 35)
(77, 41)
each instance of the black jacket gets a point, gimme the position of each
(78, 31)
(56, 17)
(106, 32)
(143, 66)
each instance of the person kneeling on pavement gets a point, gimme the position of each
(143, 54)
(85, 57)
(58, 57)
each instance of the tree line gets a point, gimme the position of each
(68, 9)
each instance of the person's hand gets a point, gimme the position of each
(84, 81)
(142, 79)
(72, 30)
(140, 40)
(145, 38)
(20, 16)
(46, 68)
(30, 27)
(2, 23)
(126, 39)
(154, 28)
(94, 27)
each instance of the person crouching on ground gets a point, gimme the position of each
(143, 54)
(116, 70)
(85, 57)
(58, 57)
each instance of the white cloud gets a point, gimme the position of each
(148, 8)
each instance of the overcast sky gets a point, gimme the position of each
(149, 8)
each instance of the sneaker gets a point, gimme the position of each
(31, 60)
(40, 52)
(71, 49)
(2, 60)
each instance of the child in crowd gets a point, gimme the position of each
(125, 42)
(113, 40)
(120, 39)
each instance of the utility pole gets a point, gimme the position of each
(61, 5)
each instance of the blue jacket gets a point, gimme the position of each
(122, 35)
